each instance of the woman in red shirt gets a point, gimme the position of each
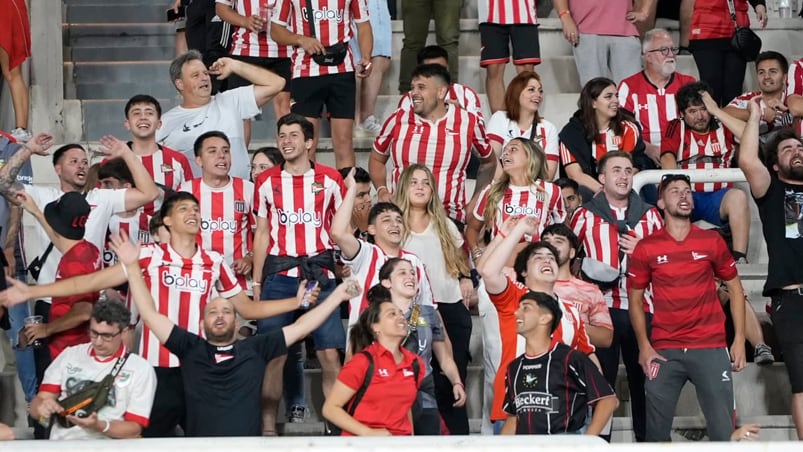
(385, 406)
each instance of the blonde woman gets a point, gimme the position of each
(431, 235)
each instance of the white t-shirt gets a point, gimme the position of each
(225, 112)
(131, 398)
(104, 203)
(502, 129)
(445, 287)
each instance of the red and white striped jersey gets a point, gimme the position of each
(507, 12)
(693, 150)
(541, 200)
(653, 107)
(333, 19)
(443, 146)
(502, 129)
(365, 267)
(247, 43)
(600, 240)
(136, 227)
(167, 167)
(794, 79)
(464, 95)
(606, 141)
(743, 102)
(299, 210)
(227, 218)
(181, 288)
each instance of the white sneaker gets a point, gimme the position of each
(372, 125)
(21, 135)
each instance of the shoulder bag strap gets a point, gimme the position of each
(310, 19)
(732, 10)
(369, 374)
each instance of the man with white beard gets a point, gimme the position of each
(650, 94)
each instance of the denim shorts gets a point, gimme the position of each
(380, 28)
(330, 335)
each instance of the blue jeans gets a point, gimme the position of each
(26, 367)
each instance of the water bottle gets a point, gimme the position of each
(785, 9)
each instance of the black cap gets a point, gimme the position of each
(67, 215)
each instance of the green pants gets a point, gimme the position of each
(416, 15)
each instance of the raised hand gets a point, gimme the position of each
(112, 147)
(126, 251)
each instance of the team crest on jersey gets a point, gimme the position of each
(123, 378)
(144, 236)
(530, 381)
(317, 187)
(616, 141)
(716, 148)
(167, 169)
(418, 129)
(239, 206)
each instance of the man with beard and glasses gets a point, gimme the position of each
(687, 341)
(650, 94)
(222, 376)
(704, 138)
(777, 186)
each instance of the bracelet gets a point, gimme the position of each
(459, 383)
(378, 189)
(125, 271)
(563, 13)
(108, 426)
(502, 234)
(256, 284)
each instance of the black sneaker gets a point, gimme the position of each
(763, 355)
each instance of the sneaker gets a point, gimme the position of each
(21, 135)
(372, 125)
(297, 414)
(762, 355)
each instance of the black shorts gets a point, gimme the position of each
(787, 318)
(281, 66)
(169, 409)
(668, 9)
(335, 91)
(496, 40)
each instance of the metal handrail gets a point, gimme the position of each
(643, 178)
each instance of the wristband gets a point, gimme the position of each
(502, 234)
(459, 384)
(563, 13)
(125, 271)
(108, 426)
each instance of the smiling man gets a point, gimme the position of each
(227, 217)
(201, 112)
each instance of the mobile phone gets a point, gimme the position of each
(311, 285)
(173, 16)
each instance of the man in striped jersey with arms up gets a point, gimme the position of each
(226, 205)
(609, 226)
(688, 327)
(295, 203)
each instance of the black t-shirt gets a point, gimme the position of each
(781, 212)
(550, 394)
(223, 385)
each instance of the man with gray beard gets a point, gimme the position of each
(650, 94)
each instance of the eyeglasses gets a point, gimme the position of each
(105, 337)
(665, 51)
(667, 179)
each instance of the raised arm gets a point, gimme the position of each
(19, 292)
(496, 254)
(758, 176)
(145, 189)
(340, 230)
(735, 125)
(27, 203)
(308, 322)
(8, 172)
(267, 84)
(128, 254)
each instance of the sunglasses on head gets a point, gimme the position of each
(667, 179)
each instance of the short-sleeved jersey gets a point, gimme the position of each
(131, 396)
(181, 287)
(135, 227)
(687, 312)
(464, 95)
(167, 167)
(502, 129)
(570, 331)
(782, 121)
(299, 210)
(332, 22)
(653, 107)
(600, 241)
(244, 42)
(606, 142)
(444, 146)
(227, 218)
(693, 150)
(794, 84)
(223, 384)
(588, 300)
(541, 200)
(82, 259)
(550, 394)
(391, 392)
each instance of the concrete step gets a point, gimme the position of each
(135, 53)
(119, 35)
(120, 11)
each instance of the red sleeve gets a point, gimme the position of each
(131, 417)
(353, 372)
(566, 156)
(55, 389)
(629, 136)
(81, 261)
(282, 14)
(638, 271)
(726, 266)
(481, 143)
(671, 140)
(506, 301)
(389, 133)
(480, 206)
(185, 166)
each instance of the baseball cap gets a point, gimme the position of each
(67, 215)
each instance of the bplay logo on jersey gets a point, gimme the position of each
(218, 224)
(535, 401)
(299, 217)
(184, 283)
(527, 211)
(324, 14)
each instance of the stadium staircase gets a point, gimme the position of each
(113, 50)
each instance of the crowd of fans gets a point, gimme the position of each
(150, 266)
